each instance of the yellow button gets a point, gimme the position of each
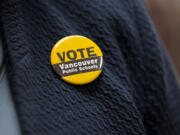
(77, 59)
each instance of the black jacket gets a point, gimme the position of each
(137, 93)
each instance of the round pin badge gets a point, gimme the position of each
(77, 59)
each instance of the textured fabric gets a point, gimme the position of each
(137, 93)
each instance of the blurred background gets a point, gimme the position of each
(165, 14)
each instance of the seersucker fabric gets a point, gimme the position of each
(137, 92)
